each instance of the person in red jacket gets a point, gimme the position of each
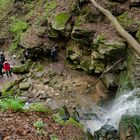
(7, 68)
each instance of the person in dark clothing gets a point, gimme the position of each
(26, 54)
(54, 54)
(2, 57)
(1, 67)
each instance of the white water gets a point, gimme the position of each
(127, 103)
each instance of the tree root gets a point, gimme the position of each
(130, 40)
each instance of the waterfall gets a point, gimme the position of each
(127, 103)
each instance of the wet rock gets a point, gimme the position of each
(25, 85)
(106, 132)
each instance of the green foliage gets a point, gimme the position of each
(11, 103)
(38, 107)
(50, 6)
(58, 119)
(53, 137)
(39, 124)
(72, 121)
(18, 26)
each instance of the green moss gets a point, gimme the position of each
(50, 7)
(125, 19)
(18, 26)
(59, 21)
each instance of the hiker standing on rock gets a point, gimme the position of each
(7, 68)
(2, 57)
(54, 54)
(1, 67)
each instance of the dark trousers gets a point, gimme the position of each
(1, 72)
(8, 73)
(54, 57)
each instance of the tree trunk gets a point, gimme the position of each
(130, 40)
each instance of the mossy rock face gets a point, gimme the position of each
(112, 49)
(85, 63)
(23, 68)
(82, 35)
(91, 14)
(130, 127)
(59, 21)
(81, 31)
(73, 51)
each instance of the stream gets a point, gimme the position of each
(127, 103)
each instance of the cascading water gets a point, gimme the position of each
(126, 103)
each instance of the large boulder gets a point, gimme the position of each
(58, 25)
(112, 49)
(129, 127)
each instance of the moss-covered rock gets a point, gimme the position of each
(73, 51)
(128, 22)
(112, 49)
(82, 32)
(91, 14)
(22, 68)
(130, 127)
(59, 21)
(85, 62)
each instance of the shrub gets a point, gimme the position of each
(11, 103)
(38, 124)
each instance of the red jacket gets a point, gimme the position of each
(6, 66)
